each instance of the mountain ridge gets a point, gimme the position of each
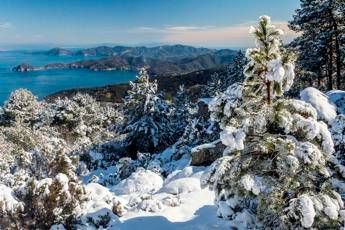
(160, 60)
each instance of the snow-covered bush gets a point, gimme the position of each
(101, 209)
(149, 116)
(22, 106)
(81, 120)
(46, 202)
(274, 171)
(141, 181)
(9, 205)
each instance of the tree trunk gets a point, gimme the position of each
(338, 60)
(337, 51)
(268, 85)
(319, 79)
(330, 66)
(330, 47)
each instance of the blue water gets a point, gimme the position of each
(43, 83)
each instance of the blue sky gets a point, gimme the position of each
(212, 23)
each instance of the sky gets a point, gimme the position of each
(207, 23)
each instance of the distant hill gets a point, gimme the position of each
(160, 60)
(159, 52)
(59, 52)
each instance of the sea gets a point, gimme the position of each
(43, 83)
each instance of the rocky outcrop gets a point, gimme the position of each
(206, 154)
(24, 67)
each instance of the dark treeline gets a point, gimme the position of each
(321, 43)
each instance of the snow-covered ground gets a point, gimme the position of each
(149, 202)
(196, 211)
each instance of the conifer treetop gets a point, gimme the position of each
(270, 71)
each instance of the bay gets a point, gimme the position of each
(43, 83)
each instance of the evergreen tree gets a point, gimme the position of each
(148, 116)
(184, 107)
(321, 24)
(274, 173)
(21, 107)
(81, 120)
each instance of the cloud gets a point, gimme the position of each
(5, 25)
(232, 35)
(187, 28)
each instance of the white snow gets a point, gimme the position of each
(205, 146)
(8, 201)
(276, 71)
(190, 171)
(63, 181)
(182, 185)
(180, 204)
(251, 184)
(309, 153)
(151, 205)
(100, 204)
(321, 102)
(289, 75)
(233, 138)
(331, 208)
(307, 211)
(141, 181)
(196, 211)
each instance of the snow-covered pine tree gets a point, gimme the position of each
(81, 120)
(148, 116)
(337, 129)
(21, 107)
(184, 106)
(274, 170)
(184, 109)
(321, 24)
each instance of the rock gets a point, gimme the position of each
(24, 67)
(206, 154)
(203, 109)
